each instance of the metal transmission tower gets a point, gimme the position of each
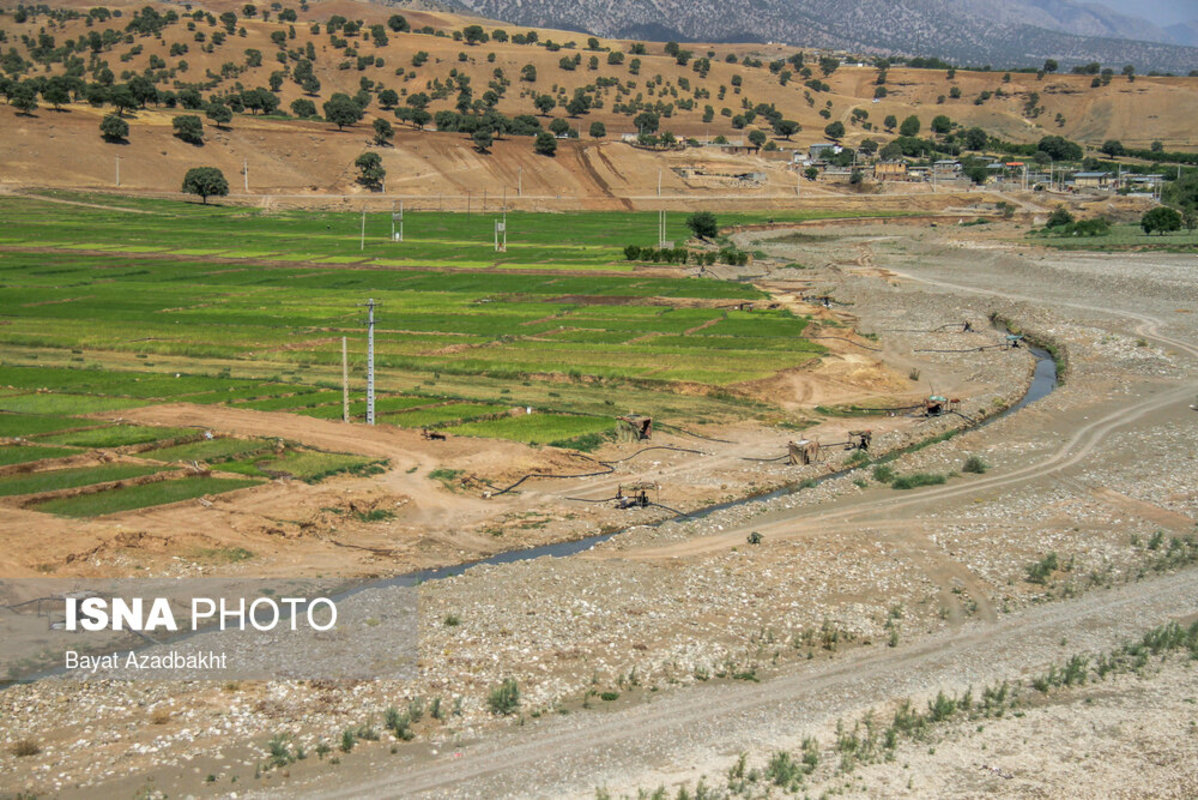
(501, 234)
(370, 361)
(397, 236)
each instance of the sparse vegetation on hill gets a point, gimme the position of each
(253, 72)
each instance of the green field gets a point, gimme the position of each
(210, 450)
(117, 309)
(12, 425)
(117, 436)
(1122, 237)
(306, 465)
(536, 428)
(439, 415)
(55, 479)
(566, 241)
(23, 455)
(148, 494)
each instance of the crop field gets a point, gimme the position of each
(209, 451)
(440, 415)
(127, 498)
(27, 454)
(12, 425)
(567, 241)
(55, 479)
(306, 465)
(105, 309)
(536, 428)
(117, 436)
(1122, 237)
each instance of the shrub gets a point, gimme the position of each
(23, 748)
(917, 479)
(883, 473)
(505, 698)
(975, 464)
(1042, 569)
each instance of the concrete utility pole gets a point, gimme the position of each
(344, 381)
(659, 182)
(520, 182)
(245, 171)
(370, 363)
(118, 170)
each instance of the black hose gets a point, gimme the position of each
(654, 447)
(607, 471)
(671, 510)
(765, 460)
(850, 341)
(665, 426)
(966, 350)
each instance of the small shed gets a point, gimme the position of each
(634, 428)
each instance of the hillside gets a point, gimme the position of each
(698, 94)
(973, 32)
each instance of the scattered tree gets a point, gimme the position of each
(189, 128)
(113, 128)
(786, 128)
(383, 132)
(834, 130)
(1161, 219)
(370, 171)
(757, 138)
(341, 110)
(483, 139)
(910, 126)
(546, 144)
(205, 181)
(219, 113)
(24, 98)
(598, 130)
(703, 224)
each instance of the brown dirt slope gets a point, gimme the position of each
(287, 156)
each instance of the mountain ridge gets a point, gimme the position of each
(971, 33)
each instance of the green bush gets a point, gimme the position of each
(883, 473)
(917, 479)
(975, 464)
(505, 698)
(1042, 569)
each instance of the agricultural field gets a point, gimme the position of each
(1121, 237)
(144, 495)
(572, 241)
(455, 323)
(56, 479)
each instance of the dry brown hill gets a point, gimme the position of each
(291, 156)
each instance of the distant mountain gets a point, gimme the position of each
(968, 32)
(1184, 33)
